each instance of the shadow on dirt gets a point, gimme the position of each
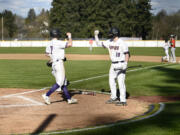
(44, 124)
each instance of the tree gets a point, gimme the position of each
(165, 24)
(83, 17)
(144, 18)
(10, 27)
(31, 16)
(42, 21)
(21, 28)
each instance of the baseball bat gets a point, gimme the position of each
(84, 93)
(88, 93)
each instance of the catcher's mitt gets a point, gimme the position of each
(49, 63)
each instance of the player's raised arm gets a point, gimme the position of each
(69, 42)
(98, 43)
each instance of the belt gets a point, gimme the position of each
(61, 59)
(56, 60)
(115, 62)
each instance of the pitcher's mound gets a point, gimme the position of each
(24, 111)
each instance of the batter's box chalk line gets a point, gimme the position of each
(32, 102)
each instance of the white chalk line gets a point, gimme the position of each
(17, 105)
(161, 108)
(22, 93)
(34, 103)
(86, 79)
(30, 100)
(91, 78)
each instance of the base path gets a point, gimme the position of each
(79, 57)
(24, 111)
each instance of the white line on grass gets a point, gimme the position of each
(86, 79)
(91, 78)
(161, 108)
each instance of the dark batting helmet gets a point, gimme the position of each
(55, 33)
(173, 36)
(114, 32)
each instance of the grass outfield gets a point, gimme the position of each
(162, 80)
(141, 51)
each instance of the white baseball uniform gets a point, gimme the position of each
(56, 52)
(117, 51)
(166, 49)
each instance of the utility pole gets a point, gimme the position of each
(2, 28)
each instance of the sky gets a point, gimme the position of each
(170, 6)
(21, 7)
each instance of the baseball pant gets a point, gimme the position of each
(173, 56)
(59, 72)
(167, 54)
(120, 77)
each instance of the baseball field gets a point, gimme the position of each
(153, 90)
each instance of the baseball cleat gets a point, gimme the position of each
(46, 99)
(112, 101)
(121, 104)
(72, 101)
(59, 90)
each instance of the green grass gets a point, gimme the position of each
(24, 50)
(34, 74)
(141, 51)
(150, 51)
(154, 81)
(24, 74)
(166, 123)
(162, 80)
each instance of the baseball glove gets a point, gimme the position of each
(49, 63)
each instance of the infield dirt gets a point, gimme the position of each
(79, 57)
(20, 114)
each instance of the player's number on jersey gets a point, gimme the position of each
(118, 54)
(51, 49)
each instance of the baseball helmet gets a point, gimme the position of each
(55, 33)
(172, 36)
(114, 32)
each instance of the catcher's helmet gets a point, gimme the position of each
(55, 33)
(114, 32)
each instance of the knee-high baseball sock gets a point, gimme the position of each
(54, 87)
(66, 93)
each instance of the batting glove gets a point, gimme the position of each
(96, 32)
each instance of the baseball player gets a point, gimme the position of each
(55, 50)
(173, 48)
(166, 49)
(119, 55)
(90, 44)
